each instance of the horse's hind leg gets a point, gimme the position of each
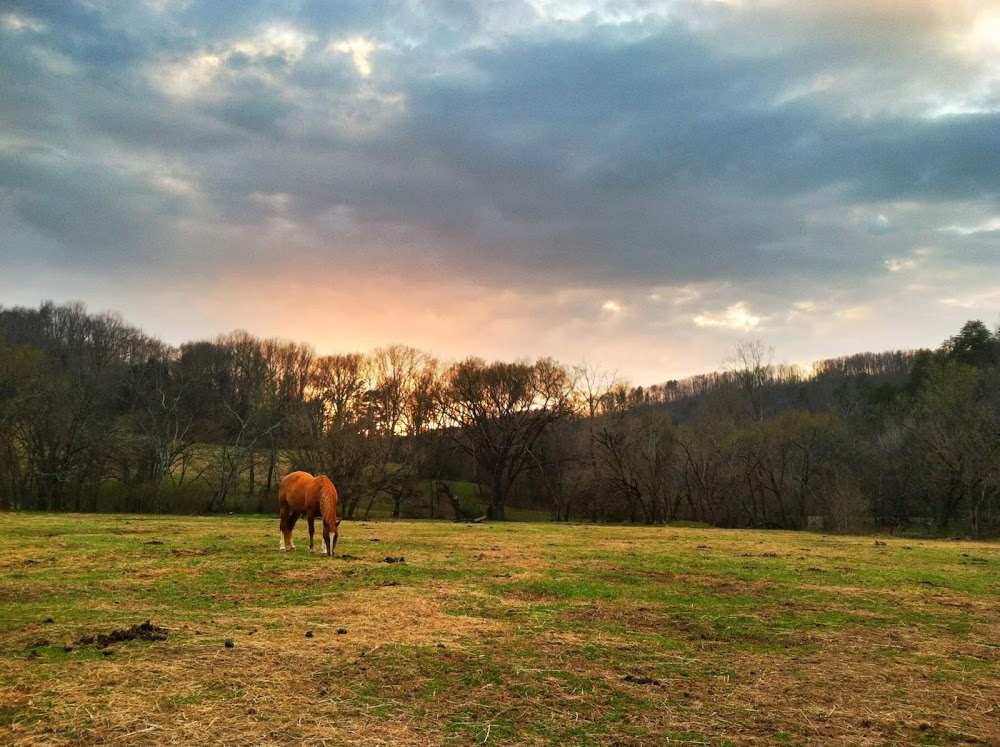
(283, 526)
(312, 531)
(288, 519)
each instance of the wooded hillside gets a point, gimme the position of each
(95, 415)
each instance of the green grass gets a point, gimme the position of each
(518, 633)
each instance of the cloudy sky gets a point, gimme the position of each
(637, 184)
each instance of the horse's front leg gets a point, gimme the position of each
(329, 539)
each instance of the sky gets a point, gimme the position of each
(636, 185)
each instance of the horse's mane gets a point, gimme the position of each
(328, 493)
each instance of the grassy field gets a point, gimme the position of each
(517, 634)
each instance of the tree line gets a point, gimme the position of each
(96, 415)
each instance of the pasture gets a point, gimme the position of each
(495, 634)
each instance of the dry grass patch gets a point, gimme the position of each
(378, 616)
(859, 699)
(858, 687)
(193, 695)
(274, 685)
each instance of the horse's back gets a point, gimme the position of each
(292, 490)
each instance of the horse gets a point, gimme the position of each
(301, 493)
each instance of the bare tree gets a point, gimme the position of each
(235, 457)
(351, 443)
(290, 368)
(497, 413)
(596, 392)
(957, 426)
(158, 445)
(751, 364)
(636, 463)
(244, 391)
(340, 382)
(706, 473)
(23, 373)
(789, 463)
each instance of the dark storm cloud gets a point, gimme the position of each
(255, 109)
(668, 152)
(702, 144)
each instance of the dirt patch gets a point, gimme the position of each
(150, 574)
(718, 584)
(193, 553)
(923, 597)
(309, 575)
(123, 532)
(142, 632)
(639, 680)
(530, 595)
(644, 619)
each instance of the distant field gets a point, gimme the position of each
(505, 634)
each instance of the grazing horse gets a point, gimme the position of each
(301, 493)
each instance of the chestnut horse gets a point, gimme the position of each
(301, 493)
